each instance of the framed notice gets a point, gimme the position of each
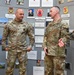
(42, 55)
(32, 55)
(39, 31)
(47, 3)
(38, 39)
(34, 3)
(39, 24)
(38, 70)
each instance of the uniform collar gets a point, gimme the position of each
(14, 21)
(57, 21)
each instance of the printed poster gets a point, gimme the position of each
(30, 12)
(47, 3)
(32, 55)
(38, 70)
(34, 3)
(39, 31)
(38, 39)
(42, 55)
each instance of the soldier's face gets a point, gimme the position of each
(53, 12)
(20, 15)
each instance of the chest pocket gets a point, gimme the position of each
(12, 29)
(22, 29)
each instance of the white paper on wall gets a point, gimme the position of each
(32, 55)
(38, 39)
(42, 55)
(47, 3)
(38, 70)
(10, 16)
(39, 31)
(38, 45)
(39, 24)
(34, 3)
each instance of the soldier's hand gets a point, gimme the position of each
(29, 49)
(61, 43)
(6, 49)
(46, 50)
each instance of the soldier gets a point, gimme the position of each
(30, 12)
(55, 39)
(16, 32)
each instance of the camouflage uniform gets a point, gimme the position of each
(55, 60)
(16, 33)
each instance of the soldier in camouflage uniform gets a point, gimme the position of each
(54, 43)
(16, 32)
